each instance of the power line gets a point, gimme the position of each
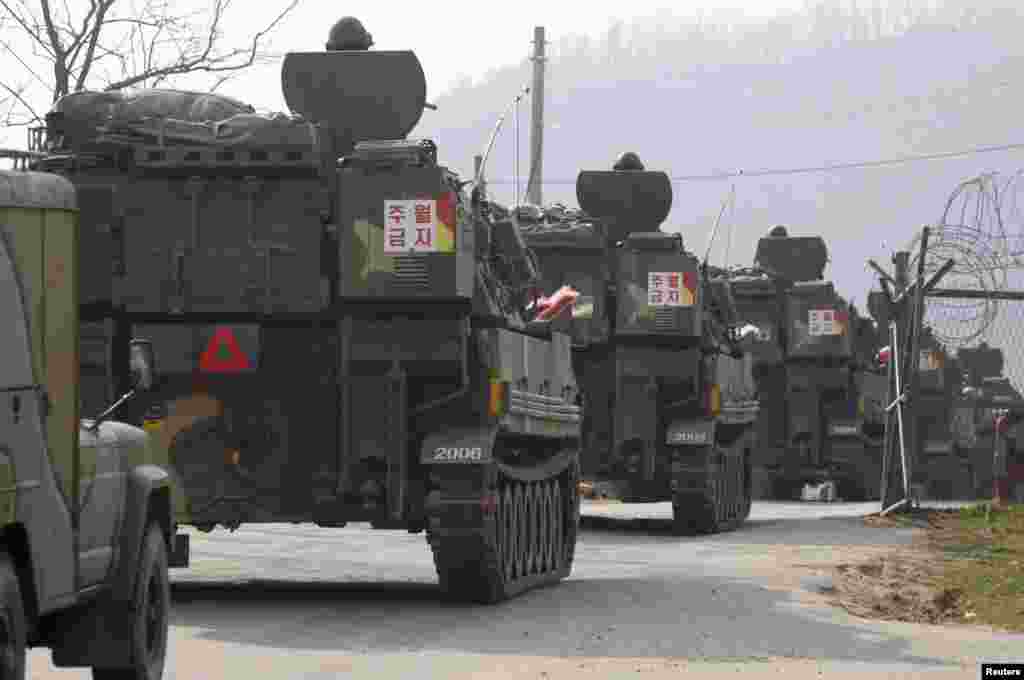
(813, 168)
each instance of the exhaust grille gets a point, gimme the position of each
(411, 272)
(665, 318)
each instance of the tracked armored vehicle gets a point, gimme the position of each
(812, 426)
(343, 330)
(669, 403)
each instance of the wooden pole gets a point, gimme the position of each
(533, 189)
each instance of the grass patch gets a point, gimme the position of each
(984, 547)
(967, 567)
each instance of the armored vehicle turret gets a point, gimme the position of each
(669, 404)
(345, 333)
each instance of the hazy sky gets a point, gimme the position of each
(451, 38)
(458, 36)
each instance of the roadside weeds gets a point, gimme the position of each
(967, 567)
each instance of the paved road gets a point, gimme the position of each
(290, 602)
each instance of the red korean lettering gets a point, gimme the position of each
(423, 213)
(396, 237)
(396, 214)
(424, 236)
(673, 283)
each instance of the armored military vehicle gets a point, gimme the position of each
(343, 330)
(668, 397)
(944, 467)
(85, 515)
(981, 395)
(811, 426)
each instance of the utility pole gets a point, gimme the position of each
(478, 160)
(533, 188)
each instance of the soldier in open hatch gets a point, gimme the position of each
(628, 161)
(349, 34)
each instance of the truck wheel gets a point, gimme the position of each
(150, 609)
(12, 623)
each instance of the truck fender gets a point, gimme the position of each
(459, 445)
(99, 636)
(142, 483)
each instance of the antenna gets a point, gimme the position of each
(494, 134)
(732, 226)
(714, 231)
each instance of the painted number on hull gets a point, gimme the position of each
(458, 454)
(691, 434)
(688, 437)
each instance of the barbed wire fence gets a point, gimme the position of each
(957, 291)
(982, 230)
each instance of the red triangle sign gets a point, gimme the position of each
(222, 354)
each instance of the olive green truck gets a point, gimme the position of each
(86, 516)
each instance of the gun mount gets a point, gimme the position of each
(625, 201)
(358, 95)
(794, 258)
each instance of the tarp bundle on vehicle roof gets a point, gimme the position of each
(172, 117)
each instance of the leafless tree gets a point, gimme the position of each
(114, 44)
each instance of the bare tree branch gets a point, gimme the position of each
(205, 61)
(17, 95)
(79, 38)
(27, 26)
(8, 48)
(119, 43)
(101, 7)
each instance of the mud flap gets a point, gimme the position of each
(459, 445)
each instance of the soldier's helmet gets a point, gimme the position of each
(349, 34)
(779, 231)
(628, 161)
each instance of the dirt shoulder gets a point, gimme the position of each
(966, 566)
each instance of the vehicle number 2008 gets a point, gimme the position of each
(459, 453)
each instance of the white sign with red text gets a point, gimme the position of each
(410, 226)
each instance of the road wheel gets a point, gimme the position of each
(12, 623)
(150, 611)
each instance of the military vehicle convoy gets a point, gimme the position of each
(812, 426)
(343, 329)
(86, 516)
(667, 393)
